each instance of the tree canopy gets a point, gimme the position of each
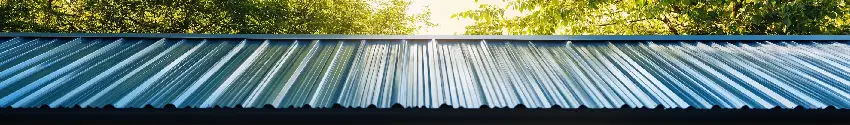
(617, 17)
(212, 16)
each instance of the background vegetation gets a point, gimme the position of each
(547, 17)
(577, 17)
(211, 16)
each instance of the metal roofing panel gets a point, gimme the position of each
(206, 72)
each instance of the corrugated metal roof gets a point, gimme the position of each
(128, 71)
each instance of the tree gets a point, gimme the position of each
(615, 17)
(211, 16)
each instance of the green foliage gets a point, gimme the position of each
(211, 16)
(614, 17)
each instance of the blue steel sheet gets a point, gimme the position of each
(206, 72)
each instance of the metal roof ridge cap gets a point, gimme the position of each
(459, 37)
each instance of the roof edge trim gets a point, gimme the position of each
(458, 37)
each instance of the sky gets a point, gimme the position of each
(442, 10)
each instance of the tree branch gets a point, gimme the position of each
(630, 21)
(669, 25)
